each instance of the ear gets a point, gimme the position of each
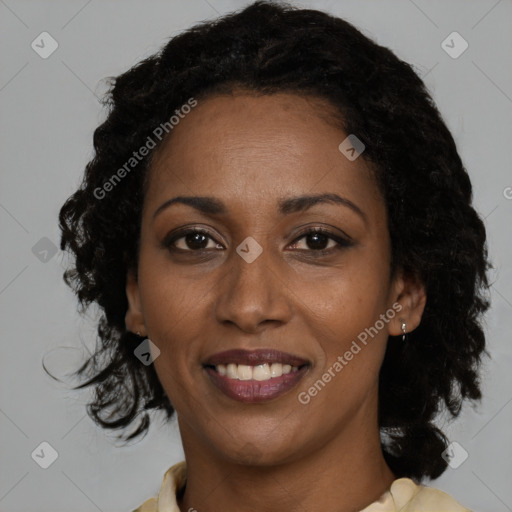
(134, 319)
(409, 294)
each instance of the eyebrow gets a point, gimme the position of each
(213, 206)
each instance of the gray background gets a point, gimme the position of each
(49, 109)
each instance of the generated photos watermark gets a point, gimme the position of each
(304, 397)
(137, 156)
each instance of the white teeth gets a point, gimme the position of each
(232, 371)
(276, 369)
(260, 372)
(244, 372)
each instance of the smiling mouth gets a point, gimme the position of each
(255, 376)
(261, 372)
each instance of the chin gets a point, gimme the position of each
(258, 451)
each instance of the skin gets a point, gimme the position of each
(250, 152)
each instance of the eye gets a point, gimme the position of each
(191, 240)
(321, 241)
(317, 240)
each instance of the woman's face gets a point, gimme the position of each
(258, 286)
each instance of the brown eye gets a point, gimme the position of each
(318, 241)
(192, 240)
(321, 241)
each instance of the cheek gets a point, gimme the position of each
(344, 307)
(349, 350)
(172, 308)
(175, 320)
(168, 297)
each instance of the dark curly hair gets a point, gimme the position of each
(435, 233)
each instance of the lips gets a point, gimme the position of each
(255, 376)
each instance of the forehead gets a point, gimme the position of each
(247, 148)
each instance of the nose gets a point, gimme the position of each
(253, 295)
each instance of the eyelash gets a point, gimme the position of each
(341, 241)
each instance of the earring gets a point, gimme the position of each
(404, 335)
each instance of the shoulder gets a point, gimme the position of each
(411, 497)
(174, 479)
(404, 495)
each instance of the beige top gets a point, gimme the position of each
(403, 496)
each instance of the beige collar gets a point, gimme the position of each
(403, 496)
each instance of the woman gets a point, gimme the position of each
(278, 229)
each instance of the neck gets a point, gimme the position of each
(346, 474)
